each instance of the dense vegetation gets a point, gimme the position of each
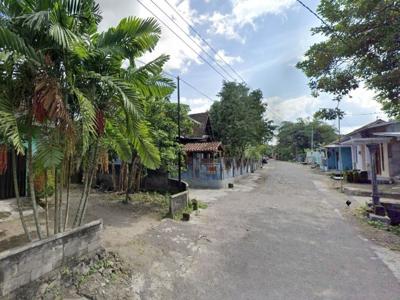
(238, 121)
(72, 98)
(361, 46)
(294, 138)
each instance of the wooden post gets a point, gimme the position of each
(378, 208)
(179, 130)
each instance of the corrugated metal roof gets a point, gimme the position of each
(203, 147)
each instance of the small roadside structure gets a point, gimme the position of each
(338, 157)
(206, 164)
(315, 157)
(203, 163)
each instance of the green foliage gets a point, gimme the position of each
(256, 152)
(63, 86)
(360, 45)
(161, 114)
(295, 137)
(238, 119)
(329, 114)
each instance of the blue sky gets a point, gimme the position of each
(263, 40)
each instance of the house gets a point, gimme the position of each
(201, 129)
(206, 166)
(337, 157)
(385, 134)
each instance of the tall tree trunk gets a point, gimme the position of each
(131, 177)
(47, 203)
(86, 199)
(16, 190)
(60, 197)
(113, 176)
(32, 187)
(55, 201)
(87, 186)
(68, 187)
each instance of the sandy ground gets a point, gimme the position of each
(121, 221)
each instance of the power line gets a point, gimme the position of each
(205, 41)
(196, 89)
(314, 13)
(166, 25)
(183, 80)
(193, 40)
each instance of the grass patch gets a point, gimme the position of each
(362, 212)
(202, 205)
(150, 198)
(188, 209)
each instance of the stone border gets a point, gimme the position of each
(22, 265)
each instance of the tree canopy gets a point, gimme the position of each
(238, 118)
(361, 45)
(294, 138)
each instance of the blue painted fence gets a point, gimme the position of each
(216, 173)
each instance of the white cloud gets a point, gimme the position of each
(364, 98)
(291, 109)
(197, 105)
(244, 12)
(180, 55)
(222, 57)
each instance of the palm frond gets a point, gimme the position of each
(63, 36)
(48, 154)
(144, 146)
(125, 93)
(9, 125)
(88, 119)
(116, 140)
(154, 67)
(13, 42)
(36, 21)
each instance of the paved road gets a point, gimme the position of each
(280, 235)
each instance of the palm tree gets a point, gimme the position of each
(69, 87)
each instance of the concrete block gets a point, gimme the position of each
(94, 245)
(383, 219)
(11, 285)
(44, 269)
(8, 270)
(71, 248)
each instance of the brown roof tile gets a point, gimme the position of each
(203, 147)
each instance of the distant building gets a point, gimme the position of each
(355, 155)
(206, 165)
(201, 129)
(387, 158)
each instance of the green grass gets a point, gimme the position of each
(189, 209)
(362, 212)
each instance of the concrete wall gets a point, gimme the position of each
(23, 265)
(179, 200)
(394, 158)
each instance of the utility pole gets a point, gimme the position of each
(340, 165)
(312, 137)
(179, 129)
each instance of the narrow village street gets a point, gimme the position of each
(279, 234)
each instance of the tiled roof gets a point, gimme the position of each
(203, 147)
